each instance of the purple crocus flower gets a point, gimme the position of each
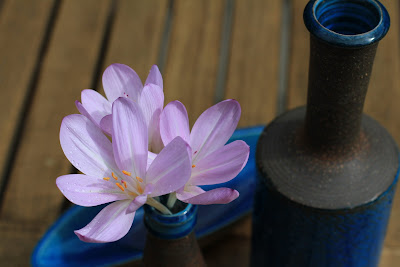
(213, 162)
(120, 80)
(118, 171)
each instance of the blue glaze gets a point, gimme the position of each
(61, 247)
(315, 237)
(347, 23)
(170, 226)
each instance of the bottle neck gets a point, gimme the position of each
(170, 240)
(172, 226)
(337, 87)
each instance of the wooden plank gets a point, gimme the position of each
(381, 102)
(252, 79)
(32, 197)
(230, 246)
(384, 89)
(254, 60)
(192, 63)
(17, 242)
(136, 36)
(390, 257)
(299, 57)
(20, 44)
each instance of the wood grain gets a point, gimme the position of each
(136, 35)
(253, 80)
(31, 196)
(254, 60)
(191, 68)
(381, 102)
(20, 44)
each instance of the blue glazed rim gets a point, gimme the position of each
(347, 23)
(172, 226)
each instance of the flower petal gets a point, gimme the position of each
(120, 80)
(88, 191)
(222, 165)
(110, 224)
(155, 77)
(151, 102)
(84, 112)
(221, 195)
(174, 122)
(106, 124)
(213, 128)
(171, 168)
(95, 104)
(188, 191)
(86, 147)
(150, 158)
(137, 203)
(129, 137)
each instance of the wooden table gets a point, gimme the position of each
(255, 51)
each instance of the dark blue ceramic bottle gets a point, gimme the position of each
(327, 172)
(170, 239)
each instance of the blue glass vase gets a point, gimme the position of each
(170, 239)
(327, 172)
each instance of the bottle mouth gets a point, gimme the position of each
(347, 22)
(348, 17)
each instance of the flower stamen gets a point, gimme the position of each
(106, 178)
(124, 183)
(126, 173)
(120, 186)
(140, 189)
(113, 175)
(193, 166)
(139, 179)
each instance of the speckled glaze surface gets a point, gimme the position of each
(326, 172)
(291, 234)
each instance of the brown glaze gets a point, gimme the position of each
(337, 86)
(181, 252)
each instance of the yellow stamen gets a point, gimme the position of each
(113, 175)
(120, 186)
(124, 184)
(193, 166)
(106, 178)
(140, 189)
(126, 173)
(132, 194)
(139, 179)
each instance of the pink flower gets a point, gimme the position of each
(213, 162)
(120, 80)
(118, 171)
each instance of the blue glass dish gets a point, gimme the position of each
(61, 247)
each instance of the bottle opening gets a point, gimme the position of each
(348, 17)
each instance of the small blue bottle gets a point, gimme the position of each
(170, 239)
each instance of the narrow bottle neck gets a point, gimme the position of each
(170, 226)
(337, 87)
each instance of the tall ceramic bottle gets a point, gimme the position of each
(327, 172)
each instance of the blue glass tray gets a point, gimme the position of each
(61, 247)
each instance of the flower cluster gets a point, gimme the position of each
(152, 152)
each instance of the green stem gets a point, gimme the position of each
(154, 203)
(171, 200)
